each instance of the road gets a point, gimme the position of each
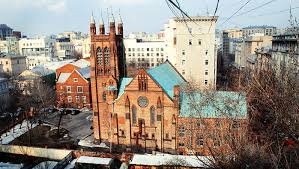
(77, 125)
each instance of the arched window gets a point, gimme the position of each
(142, 82)
(100, 57)
(107, 56)
(152, 115)
(134, 114)
(159, 104)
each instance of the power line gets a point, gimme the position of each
(214, 14)
(236, 12)
(256, 8)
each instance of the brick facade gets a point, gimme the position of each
(74, 90)
(137, 113)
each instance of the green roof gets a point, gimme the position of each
(167, 77)
(123, 83)
(214, 104)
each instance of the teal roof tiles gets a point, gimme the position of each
(214, 104)
(167, 77)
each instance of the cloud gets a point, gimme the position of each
(125, 2)
(50, 5)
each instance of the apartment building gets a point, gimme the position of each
(5, 31)
(64, 48)
(12, 64)
(9, 45)
(144, 51)
(265, 30)
(37, 50)
(190, 47)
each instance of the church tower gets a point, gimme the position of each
(107, 69)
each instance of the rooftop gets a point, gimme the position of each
(214, 104)
(94, 160)
(170, 160)
(167, 77)
(259, 27)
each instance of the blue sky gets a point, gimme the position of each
(53, 16)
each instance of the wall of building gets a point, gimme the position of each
(13, 65)
(145, 52)
(191, 49)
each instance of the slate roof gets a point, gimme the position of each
(42, 71)
(63, 77)
(214, 104)
(167, 77)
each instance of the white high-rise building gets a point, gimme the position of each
(144, 50)
(190, 47)
(37, 50)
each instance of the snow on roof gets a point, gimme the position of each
(170, 160)
(85, 72)
(10, 166)
(63, 77)
(94, 160)
(15, 132)
(43, 71)
(55, 65)
(81, 63)
(46, 164)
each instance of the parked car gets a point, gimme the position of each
(75, 112)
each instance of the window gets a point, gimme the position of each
(181, 144)
(190, 30)
(68, 89)
(206, 52)
(206, 72)
(77, 99)
(75, 79)
(147, 49)
(84, 99)
(104, 96)
(153, 135)
(206, 62)
(129, 49)
(183, 52)
(183, 72)
(182, 131)
(199, 141)
(167, 136)
(100, 57)
(190, 41)
(206, 82)
(79, 89)
(159, 117)
(107, 56)
(199, 42)
(162, 49)
(183, 62)
(174, 41)
(152, 115)
(134, 114)
(142, 82)
(69, 99)
(236, 124)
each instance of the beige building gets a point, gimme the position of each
(190, 47)
(12, 64)
(245, 51)
(10, 45)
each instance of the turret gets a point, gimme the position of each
(120, 26)
(102, 26)
(92, 26)
(112, 24)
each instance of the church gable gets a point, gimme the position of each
(143, 82)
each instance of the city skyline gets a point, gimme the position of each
(53, 16)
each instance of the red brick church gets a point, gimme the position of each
(149, 111)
